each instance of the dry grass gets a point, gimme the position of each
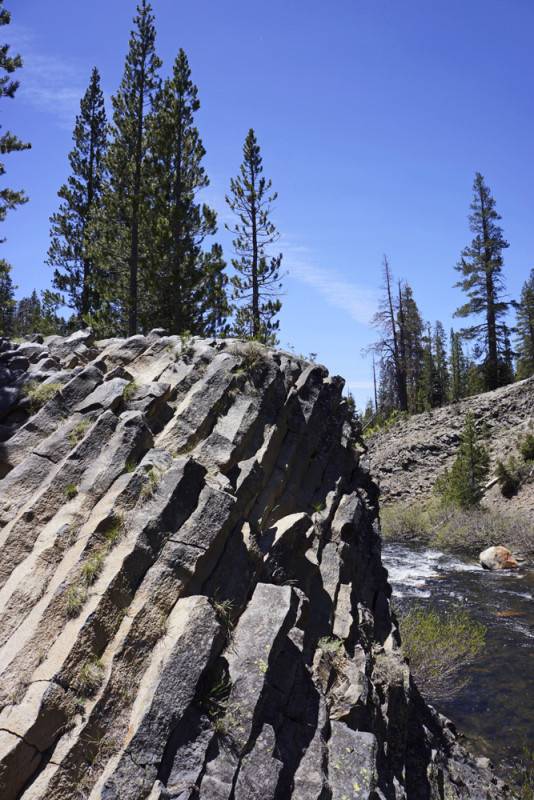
(457, 530)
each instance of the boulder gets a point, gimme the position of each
(498, 558)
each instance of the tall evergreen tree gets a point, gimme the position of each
(28, 315)
(481, 268)
(72, 237)
(35, 315)
(125, 219)
(525, 330)
(410, 327)
(188, 284)
(427, 382)
(442, 377)
(257, 284)
(9, 198)
(434, 385)
(399, 348)
(7, 299)
(457, 367)
(463, 484)
(390, 348)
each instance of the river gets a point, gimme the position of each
(495, 711)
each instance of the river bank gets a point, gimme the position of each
(495, 711)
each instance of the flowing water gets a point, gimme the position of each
(496, 710)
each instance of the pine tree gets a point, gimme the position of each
(34, 315)
(27, 315)
(410, 327)
(257, 283)
(9, 198)
(435, 379)
(188, 285)
(442, 378)
(427, 382)
(390, 347)
(506, 361)
(72, 237)
(7, 299)
(457, 367)
(525, 330)
(400, 347)
(124, 222)
(462, 484)
(481, 267)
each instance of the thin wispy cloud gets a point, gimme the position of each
(356, 300)
(48, 82)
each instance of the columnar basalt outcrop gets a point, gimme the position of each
(192, 601)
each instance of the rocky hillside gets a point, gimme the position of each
(192, 602)
(407, 458)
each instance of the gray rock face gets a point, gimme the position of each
(192, 601)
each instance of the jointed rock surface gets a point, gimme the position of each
(192, 602)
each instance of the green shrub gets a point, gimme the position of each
(187, 341)
(457, 530)
(440, 649)
(462, 485)
(509, 475)
(385, 423)
(405, 522)
(468, 530)
(523, 774)
(332, 644)
(526, 448)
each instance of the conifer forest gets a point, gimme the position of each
(133, 246)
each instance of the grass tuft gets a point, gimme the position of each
(76, 597)
(224, 610)
(90, 676)
(39, 394)
(78, 432)
(149, 489)
(332, 644)
(128, 391)
(71, 490)
(92, 567)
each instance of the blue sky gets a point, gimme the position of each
(372, 118)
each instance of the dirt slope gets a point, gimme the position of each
(407, 459)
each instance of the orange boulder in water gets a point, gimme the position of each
(498, 558)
